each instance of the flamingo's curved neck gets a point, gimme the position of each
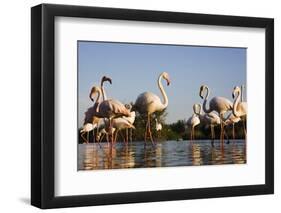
(98, 100)
(200, 109)
(235, 104)
(104, 97)
(165, 103)
(205, 102)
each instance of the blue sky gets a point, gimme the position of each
(134, 68)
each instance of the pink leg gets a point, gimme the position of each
(82, 136)
(149, 131)
(146, 127)
(233, 132)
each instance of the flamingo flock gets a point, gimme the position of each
(109, 116)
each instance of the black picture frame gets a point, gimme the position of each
(43, 102)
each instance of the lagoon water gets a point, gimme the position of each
(95, 156)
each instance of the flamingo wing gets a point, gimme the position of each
(220, 104)
(147, 102)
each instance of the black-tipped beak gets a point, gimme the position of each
(109, 80)
(233, 96)
(104, 78)
(168, 82)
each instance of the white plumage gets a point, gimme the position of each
(219, 104)
(147, 103)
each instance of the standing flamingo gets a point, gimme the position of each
(120, 122)
(103, 133)
(232, 120)
(158, 127)
(239, 108)
(109, 109)
(192, 122)
(147, 103)
(210, 119)
(123, 123)
(91, 121)
(219, 104)
(86, 129)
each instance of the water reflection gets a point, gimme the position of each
(165, 154)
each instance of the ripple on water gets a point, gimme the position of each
(165, 154)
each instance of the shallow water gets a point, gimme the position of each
(165, 154)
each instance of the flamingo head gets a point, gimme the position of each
(197, 109)
(201, 91)
(235, 91)
(105, 78)
(128, 106)
(166, 77)
(94, 90)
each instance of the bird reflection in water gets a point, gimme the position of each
(165, 154)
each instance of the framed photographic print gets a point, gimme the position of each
(140, 106)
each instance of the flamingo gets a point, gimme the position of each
(124, 123)
(90, 123)
(103, 132)
(239, 108)
(210, 119)
(120, 122)
(192, 122)
(219, 104)
(148, 103)
(232, 120)
(158, 127)
(109, 109)
(86, 129)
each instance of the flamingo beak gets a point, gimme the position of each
(90, 96)
(109, 80)
(104, 78)
(233, 95)
(168, 82)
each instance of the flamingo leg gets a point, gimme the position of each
(191, 134)
(226, 135)
(244, 128)
(82, 136)
(116, 135)
(222, 128)
(212, 135)
(102, 136)
(110, 131)
(149, 131)
(87, 137)
(122, 135)
(97, 132)
(194, 133)
(127, 135)
(233, 132)
(93, 134)
(131, 135)
(146, 127)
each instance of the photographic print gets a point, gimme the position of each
(159, 98)
(160, 105)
